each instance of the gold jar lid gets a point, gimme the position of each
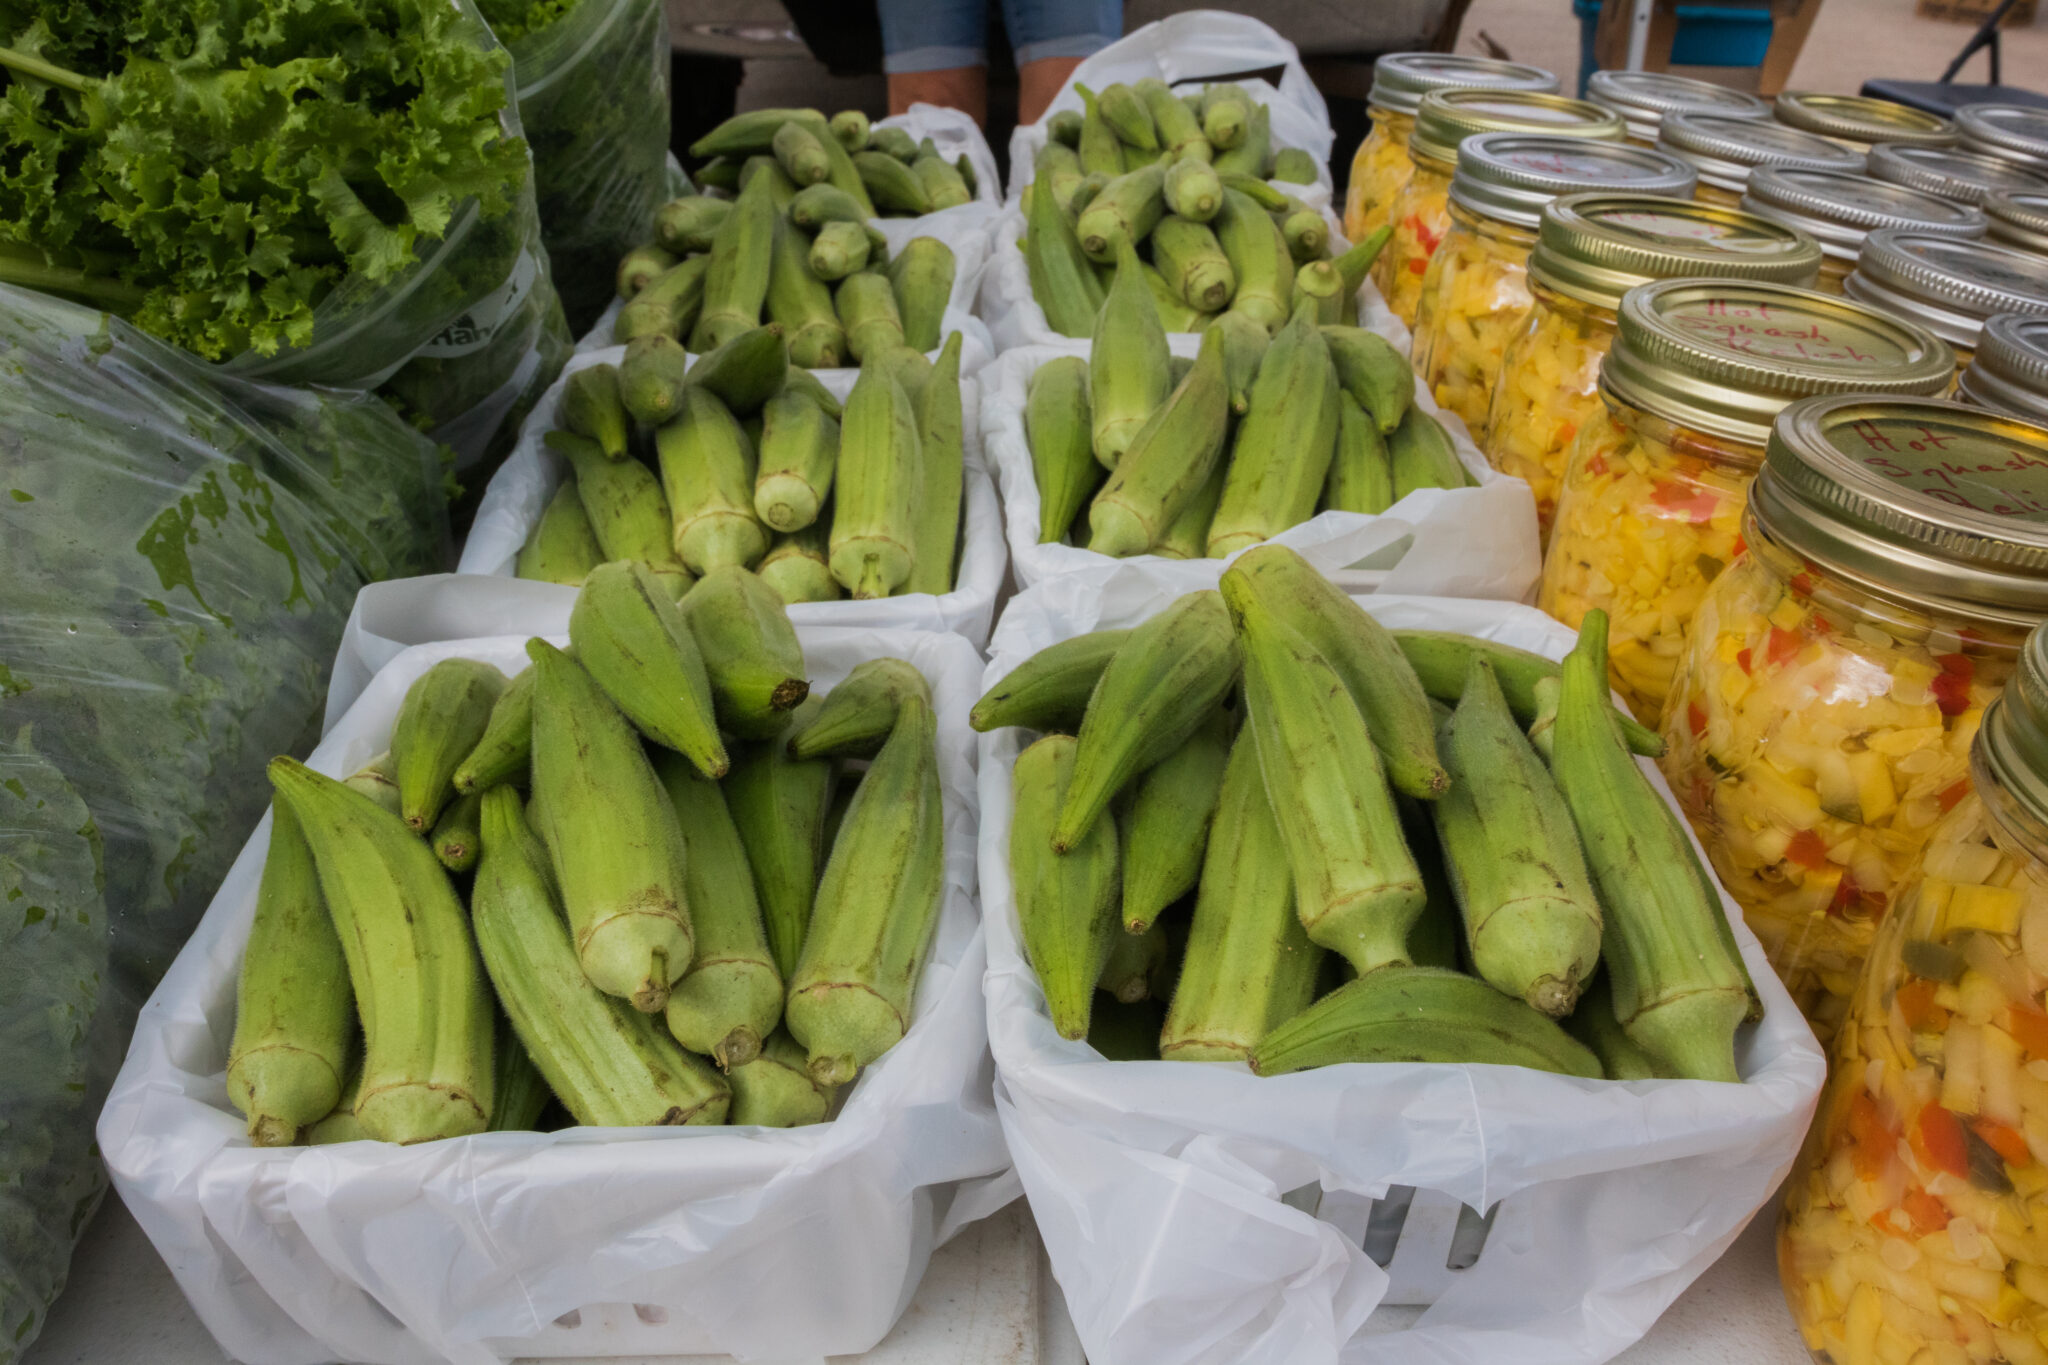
(2015, 132)
(1965, 177)
(1446, 118)
(1948, 286)
(1401, 79)
(2019, 219)
(1727, 149)
(1939, 502)
(1725, 357)
(2010, 370)
(1597, 247)
(1840, 209)
(1860, 120)
(1509, 177)
(1643, 98)
(2011, 748)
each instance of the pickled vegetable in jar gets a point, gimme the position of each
(1444, 119)
(1820, 722)
(1380, 168)
(1910, 1227)
(2010, 370)
(1475, 293)
(1839, 210)
(1860, 121)
(1950, 287)
(1725, 150)
(1651, 509)
(1591, 249)
(1643, 98)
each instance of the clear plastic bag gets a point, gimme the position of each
(178, 555)
(593, 97)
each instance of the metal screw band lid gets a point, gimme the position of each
(1919, 497)
(1861, 120)
(2011, 748)
(1965, 177)
(2019, 219)
(1401, 79)
(1446, 118)
(1645, 97)
(1509, 177)
(2015, 132)
(1840, 209)
(1725, 357)
(2010, 369)
(1726, 149)
(1597, 247)
(1948, 286)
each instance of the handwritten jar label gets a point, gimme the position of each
(1978, 465)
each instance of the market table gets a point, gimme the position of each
(988, 1299)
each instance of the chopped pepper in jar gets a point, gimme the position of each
(1651, 510)
(1819, 726)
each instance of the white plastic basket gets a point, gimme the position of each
(783, 1245)
(1194, 1213)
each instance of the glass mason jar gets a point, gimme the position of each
(1381, 166)
(1475, 293)
(1965, 177)
(2013, 132)
(1861, 122)
(1820, 720)
(2019, 219)
(1909, 1231)
(1422, 212)
(1839, 210)
(1949, 287)
(1591, 249)
(1643, 98)
(1651, 510)
(1725, 150)
(2010, 370)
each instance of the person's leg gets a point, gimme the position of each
(935, 52)
(1051, 37)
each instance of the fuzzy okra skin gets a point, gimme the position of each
(1060, 429)
(1365, 655)
(778, 805)
(1442, 660)
(1066, 902)
(500, 752)
(1532, 920)
(731, 998)
(444, 714)
(1357, 886)
(609, 1064)
(1421, 1014)
(1168, 462)
(295, 1014)
(775, 1090)
(942, 453)
(874, 519)
(856, 717)
(1680, 987)
(563, 547)
(1281, 453)
(1249, 963)
(610, 834)
(421, 995)
(1166, 823)
(850, 999)
(628, 512)
(707, 473)
(637, 647)
(1130, 370)
(750, 650)
(1049, 690)
(1158, 689)
(592, 407)
(799, 454)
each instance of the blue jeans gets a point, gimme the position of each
(938, 35)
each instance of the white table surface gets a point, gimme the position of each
(988, 1299)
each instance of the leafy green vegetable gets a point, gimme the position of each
(178, 555)
(512, 20)
(213, 169)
